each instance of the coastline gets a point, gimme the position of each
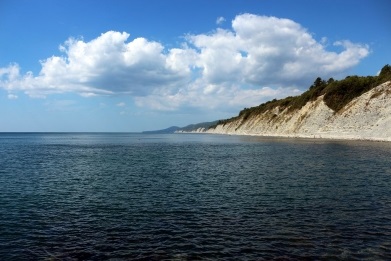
(365, 118)
(294, 136)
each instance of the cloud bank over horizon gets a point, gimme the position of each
(259, 58)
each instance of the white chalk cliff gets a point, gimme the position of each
(366, 117)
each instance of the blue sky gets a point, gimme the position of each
(142, 65)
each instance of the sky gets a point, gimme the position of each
(130, 66)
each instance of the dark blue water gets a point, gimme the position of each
(192, 197)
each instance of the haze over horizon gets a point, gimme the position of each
(130, 66)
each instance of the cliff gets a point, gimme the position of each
(353, 108)
(365, 117)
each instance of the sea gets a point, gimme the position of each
(129, 196)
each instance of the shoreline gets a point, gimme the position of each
(296, 136)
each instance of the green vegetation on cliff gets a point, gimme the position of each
(337, 94)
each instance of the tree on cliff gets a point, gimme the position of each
(385, 73)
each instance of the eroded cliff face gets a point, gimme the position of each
(366, 117)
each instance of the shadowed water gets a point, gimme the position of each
(86, 196)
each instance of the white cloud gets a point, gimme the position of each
(121, 104)
(220, 20)
(106, 65)
(12, 96)
(260, 58)
(204, 96)
(265, 51)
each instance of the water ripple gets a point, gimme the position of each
(121, 197)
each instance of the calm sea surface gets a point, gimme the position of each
(97, 196)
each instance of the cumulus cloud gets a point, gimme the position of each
(269, 51)
(121, 104)
(259, 58)
(106, 65)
